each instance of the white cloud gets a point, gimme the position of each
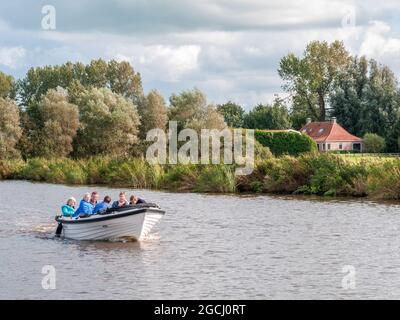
(378, 44)
(166, 63)
(175, 61)
(228, 48)
(12, 57)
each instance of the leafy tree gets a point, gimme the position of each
(373, 143)
(96, 74)
(41, 79)
(117, 76)
(232, 113)
(382, 107)
(310, 78)
(122, 79)
(298, 118)
(53, 125)
(191, 110)
(366, 99)
(153, 112)
(348, 97)
(7, 86)
(10, 130)
(109, 124)
(273, 117)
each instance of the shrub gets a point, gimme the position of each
(373, 143)
(331, 175)
(74, 172)
(96, 169)
(61, 170)
(36, 169)
(261, 153)
(285, 174)
(256, 186)
(11, 169)
(384, 180)
(136, 173)
(281, 143)
(180, 177)
(216, 178)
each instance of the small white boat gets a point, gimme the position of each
(133, 222)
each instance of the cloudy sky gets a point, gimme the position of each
(230, 49)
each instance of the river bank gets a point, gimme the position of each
(313, 173)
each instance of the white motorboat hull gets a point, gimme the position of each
(135, 224)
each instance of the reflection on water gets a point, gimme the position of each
(206, 246)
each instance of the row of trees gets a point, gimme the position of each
(327, 81)
(100, 108)
(86, 110)
(263, 116)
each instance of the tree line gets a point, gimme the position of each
(327, 81)
(100, 108)
(87, 110)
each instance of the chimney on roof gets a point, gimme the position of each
(333, 119)
(308, 120)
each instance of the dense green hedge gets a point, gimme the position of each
(291, 143)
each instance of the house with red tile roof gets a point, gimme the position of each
(329, 135)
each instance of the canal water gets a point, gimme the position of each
(206, 247)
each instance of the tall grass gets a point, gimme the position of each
(216, 178)
(312, 173)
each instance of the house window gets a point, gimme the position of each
(329, 146)
(357, 146)
(340, 146)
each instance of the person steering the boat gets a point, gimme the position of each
(85, 207)
(135, 200)
(121, 202)
(68, 209)
(102, 206)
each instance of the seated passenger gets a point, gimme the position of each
(135, 200)
(121, 202)
(85, 207)
(69, 209)
(102, 206)
(94, 198)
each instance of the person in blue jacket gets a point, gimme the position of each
(69, 209)
(85, 207)
(102, 206)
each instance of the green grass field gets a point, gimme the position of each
(370, 157)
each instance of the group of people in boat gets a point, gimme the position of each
(90, 204)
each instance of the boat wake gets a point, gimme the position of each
(151, 237)
(43, 231)
(122, 239)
